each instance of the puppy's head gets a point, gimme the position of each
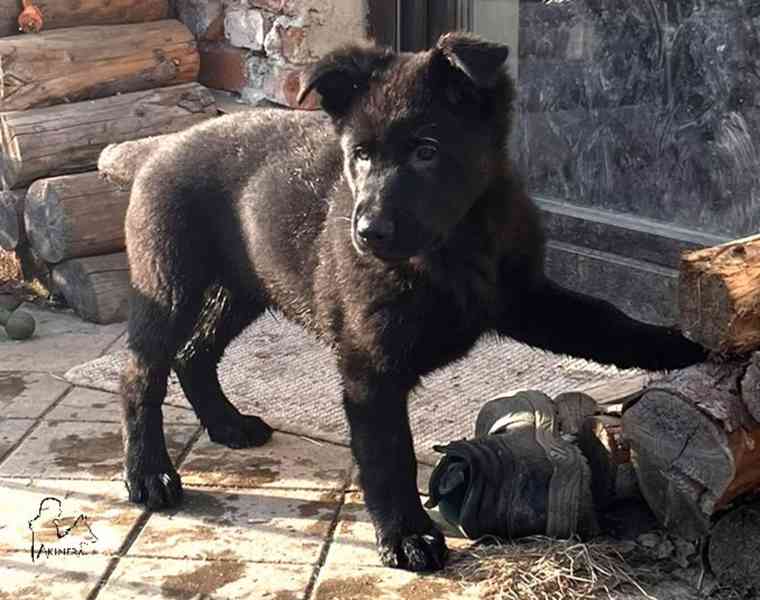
(422, 134)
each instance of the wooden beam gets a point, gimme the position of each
(9, 11)
(58, 140)
(82, 63)
(719, 296)
(55, 14)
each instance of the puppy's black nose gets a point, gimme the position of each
(375, 232)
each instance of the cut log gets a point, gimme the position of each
(694, 444)
(719, 296)
(612, 396)
(734, 548)
(9, 11)
(97, 287)
(58, 140)
(56, 14)
(82, 63)
(75, 215)
(12, 219)
(119, 162)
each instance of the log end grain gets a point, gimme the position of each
(75, 215)
(44, 221)
(681, 458)
(30, 20)
(719, 297)
(97, 288)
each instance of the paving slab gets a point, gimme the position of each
(346, 582)
(11, 431)
(28, 395)
(61, 340)
(87, 516)
(354, 538)
(286, 461)
(140, 579)
(83, 404)
(80, 450)
(55, 578)
(261, 525)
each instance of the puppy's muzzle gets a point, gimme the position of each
(376, 234)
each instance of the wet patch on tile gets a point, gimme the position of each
(270, 525)
(28, 395)
(84, 404)
(59, 578)
(287, 461)
(64, 519)
(349, 583)
(80, 450)
(143, 579)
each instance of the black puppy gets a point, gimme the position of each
(392, 227)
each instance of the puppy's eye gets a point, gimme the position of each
(425, 152)
(361, 153)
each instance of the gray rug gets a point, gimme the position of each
(279, 372)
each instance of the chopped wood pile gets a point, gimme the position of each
(82, 76)
(694, 434)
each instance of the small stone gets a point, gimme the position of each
(200, 16)
(286, 7)
(288, 40)
(244, 28)
(276, 83)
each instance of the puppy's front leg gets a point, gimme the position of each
(381, 440)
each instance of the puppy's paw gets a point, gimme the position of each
(243, 431)
(414, 551)
(155, 490)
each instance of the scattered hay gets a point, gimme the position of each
(541, 568)
(10, 268)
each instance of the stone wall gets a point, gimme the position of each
(258, 48)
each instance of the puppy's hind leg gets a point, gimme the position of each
(223, 316)
(155, 329)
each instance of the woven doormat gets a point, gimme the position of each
(276, 370)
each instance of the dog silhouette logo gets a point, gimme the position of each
(55, 533)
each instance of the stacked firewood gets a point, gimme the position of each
(694, 435)
(82, 76)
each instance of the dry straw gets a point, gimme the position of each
(541, 568)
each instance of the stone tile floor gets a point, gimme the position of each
(282, 522)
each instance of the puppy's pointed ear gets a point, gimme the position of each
(480, 60)
(342, 76)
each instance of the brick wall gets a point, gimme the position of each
(258, 48)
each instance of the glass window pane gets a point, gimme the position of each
(648, 108)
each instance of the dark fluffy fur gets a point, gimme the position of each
(397, 255)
